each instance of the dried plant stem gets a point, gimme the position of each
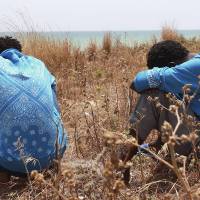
(178, 123)
(141, 170)
(55, 190)
(157, 157)
(176, 170)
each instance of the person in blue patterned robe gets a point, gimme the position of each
(31, 131)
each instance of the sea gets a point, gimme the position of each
(83, 38)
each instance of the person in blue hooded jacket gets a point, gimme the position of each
(171, 66)
(31, 131)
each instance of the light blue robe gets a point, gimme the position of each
(30, 121)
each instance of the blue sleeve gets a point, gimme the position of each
(170, 79)
(148, 79)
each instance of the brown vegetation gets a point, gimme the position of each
(95, 99)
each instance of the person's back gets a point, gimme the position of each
(30, 124)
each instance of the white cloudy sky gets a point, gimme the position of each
(71, 15)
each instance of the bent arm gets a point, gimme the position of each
(169, 79)
(147, 79)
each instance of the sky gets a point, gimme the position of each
(98, 15)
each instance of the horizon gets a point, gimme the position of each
(83, 38)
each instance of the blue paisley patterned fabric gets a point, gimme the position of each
(30, 123)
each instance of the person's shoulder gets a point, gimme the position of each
(190, 65)
(34, 60)
(197, 55)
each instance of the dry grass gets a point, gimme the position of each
(95, 99)
(169, 33)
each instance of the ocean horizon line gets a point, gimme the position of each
(83, 38)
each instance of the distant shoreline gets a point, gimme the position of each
(83, 38)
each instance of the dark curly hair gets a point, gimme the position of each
(166, 53)
(9, 42)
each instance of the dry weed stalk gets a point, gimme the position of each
(107, 43)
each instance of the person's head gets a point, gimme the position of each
(166, 53)
(9, 42)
